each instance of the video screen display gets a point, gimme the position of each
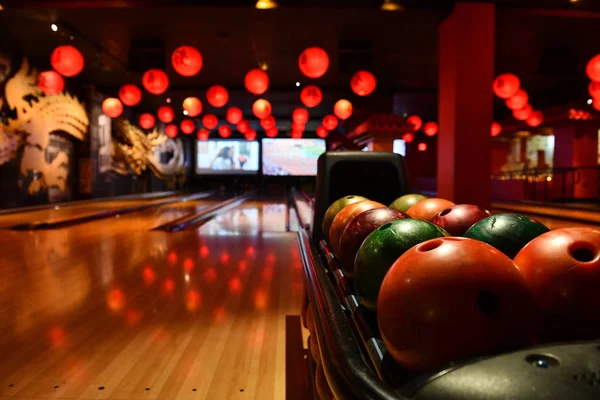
(294, 157)
(400, 147)
(227, 157)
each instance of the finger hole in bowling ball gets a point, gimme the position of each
(488, 303)
(542, 361)
(446, 212)
(430, 245)
(384, 227)
(583, 251)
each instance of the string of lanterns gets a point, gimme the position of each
(508, 87)
(593, 72)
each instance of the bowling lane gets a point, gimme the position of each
(251, 217)
(552, 217)
(99, 311)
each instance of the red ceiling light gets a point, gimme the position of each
(130, 95)
(193, 106)
(311, 96)
(187, 126)
(202, 134)
(243, 126)
(147, 121)
(518, 101)
(431, 129)
(298, 126)
(171, 131)
(300, 115)
(592, 69)
(523, 113)
(155, 81)
(415, 121)
(422, 146)
(535, 119)
(250, 134)
(210, 121)
(496, 129)
(594, 89)
(322, 132)
(233, 115)
(363, 83)
(596, 104)
(165, 114)
(313, 62)
(256, 81)
(330, 122)
(67, 60)
(408, 137)
(268, 122)
(217, 96)
(186, 60)
(261, 108)
(112, 107)
(506, 85)
(296, 134)
(225, 131)
(342, 109)
(50, 82)
(272, 132)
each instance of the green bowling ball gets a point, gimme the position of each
(382, 248)
(508, 233)
(335, 208)
(407, 201)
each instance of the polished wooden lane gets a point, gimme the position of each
(110, 310)
(552, 216)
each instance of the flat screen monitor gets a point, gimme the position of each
(292, 157)
(216, 157)
(400, 147)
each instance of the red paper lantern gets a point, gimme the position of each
(535, 119)
(250, 134)
(311, 96)
(50, 82)
(518, 101)
(187, 126)
(202, 134)
(594, 89)
(523, 113)
(408, 137)
(225, 131)
(67, 60)
(155, 81)
(186, 60)
(298, 126)
(165, 114)
(217, 96)
(210, 121)
(363, 83)
(130, 94)
(296, 134)
(256, 81)
(431, 129)
(243, 126)
(313, 62)
(272, 132)
(592, 69)
(506, 85)
(261, 108)
(193, 106)
(415, 121)
(233, 115)
(147, 121)
(112, 107)
(496, 129)
(342, 109)
(596, 104)
(171, 131)
(322, 132)
(422, 146)
(300, 115)
(330, 122)
(268, 122)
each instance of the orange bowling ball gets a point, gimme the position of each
(453, 298)
(428, 208)
(562, 268)
(343, 218)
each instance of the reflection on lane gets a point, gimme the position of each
(250, 218)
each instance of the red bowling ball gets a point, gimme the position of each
(456, 220)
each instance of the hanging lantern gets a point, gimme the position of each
(431, 129)
(186, 60)
(193, 106)
(234, 115)
(408, 137)
(187, 126)
(202, 134)
(322, 132)
(496, 129)
(130, 95)
(330, 122)
(256, 81)
(300, 115)
(243, 126)
(272, 132)
(415, 121)
(298, 126)
(112, 107)
(217, 96)
(596, 104)
(313, 62)
(311, 96)
(165, 114)
(506, 85)
(535, 119)
(594, 89)
(523, 113)
(225, 131)
(210, 121)
(518, 101)
(363, 83)
(592, 69)
(147, 121)
(342, 109)
(155, 81)
(50, 82)
(171, 131)
(250, 134)
(261, 108)
(296, 134)
(67, 60)
(422, 146)
(268, 122)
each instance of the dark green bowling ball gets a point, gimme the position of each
(382, 248)
(509, 233)
(405, 202)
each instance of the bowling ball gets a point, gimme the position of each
(405, 202)
(343, 218)
(453, 298)
(456, 220)
(310, 322)
(509, 233)
(357, 231)
(562, 268)
(382, 248)
(321, 384)
(314, 348)
(335, 208)
(428, 208)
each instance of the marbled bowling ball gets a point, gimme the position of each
(428, 208)
(334, 209)
(403, 203)
(456, 220)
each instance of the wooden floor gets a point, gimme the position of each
(111, 310)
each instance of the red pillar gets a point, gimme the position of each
(466, 73)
